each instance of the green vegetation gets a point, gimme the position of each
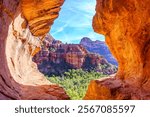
(75, 82)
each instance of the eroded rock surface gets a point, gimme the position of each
(23, 25)
(126, 25)
(56, 58)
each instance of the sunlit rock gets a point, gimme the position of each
(23, 25)
(126, 25)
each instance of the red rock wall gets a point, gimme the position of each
(56, 58)
(23, 24)
(126, 25)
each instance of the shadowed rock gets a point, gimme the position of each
(23, 25)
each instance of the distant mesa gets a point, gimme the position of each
(98, 47)
(55, 58)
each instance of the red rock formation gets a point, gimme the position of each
(73, 55)
(23, 24)
(55, 58)
(126, 25)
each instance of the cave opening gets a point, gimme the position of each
(73, 54)
(24, 23)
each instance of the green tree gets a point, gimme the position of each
(76, 82)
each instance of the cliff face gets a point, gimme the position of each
(126, 25)
(23, 24)
(55, 58)
(98, 47)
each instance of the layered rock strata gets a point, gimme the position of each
(56, 58)
(126, 25)
(23, 25)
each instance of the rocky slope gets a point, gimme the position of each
(23, 25)
(126, 25)
(98, 47)
(55, 58)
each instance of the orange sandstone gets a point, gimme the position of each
(126, 25)
(23, 24)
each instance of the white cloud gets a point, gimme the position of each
(87, 6)
(95, 36)
(60, 29)
(75, 21)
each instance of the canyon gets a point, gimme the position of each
(56, 58)
(25, 23)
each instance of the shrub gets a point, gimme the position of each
(75, 82)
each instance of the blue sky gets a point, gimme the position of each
(75, 22)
